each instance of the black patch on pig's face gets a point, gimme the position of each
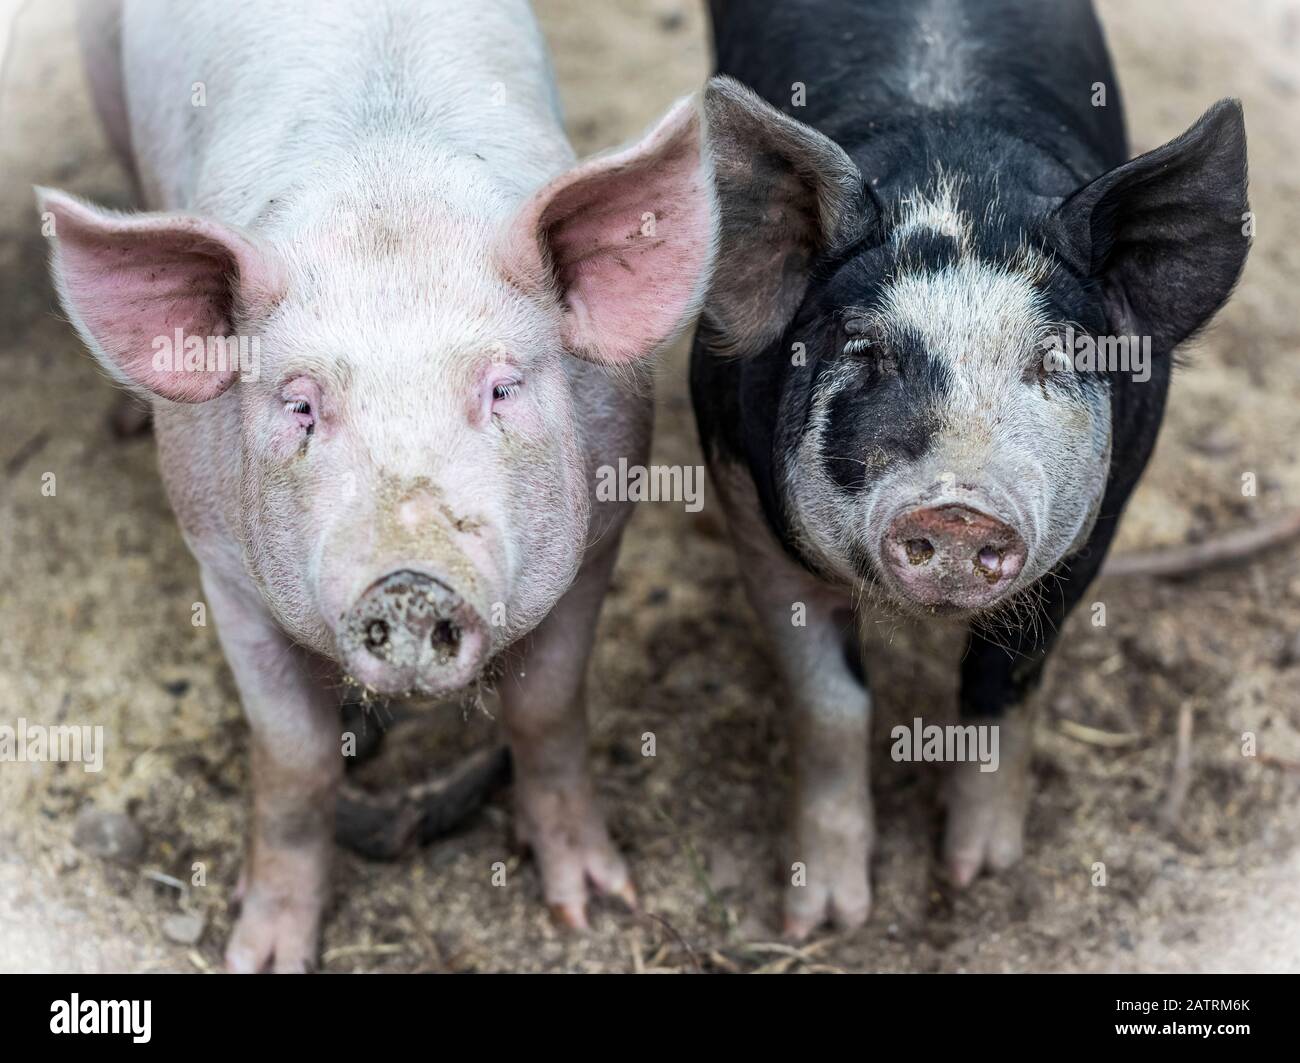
(882, 408)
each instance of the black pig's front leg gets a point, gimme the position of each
(812, 632)
(1001, 680)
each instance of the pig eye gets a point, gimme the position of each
(501, 392)
(1047, 363)
(871, 351)
(859, 336)
(301, 411)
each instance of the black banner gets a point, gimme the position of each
(341, 1013)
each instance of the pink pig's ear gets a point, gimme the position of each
(626, 240)
(130, 281)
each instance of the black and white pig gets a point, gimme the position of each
(888, 377)
(395, 485)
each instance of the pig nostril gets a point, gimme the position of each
(989, 562)
(376, 634)
(919, 551)
(445, 636)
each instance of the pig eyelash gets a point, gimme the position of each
(501, 392)
(857, 345)
(302, 413)
(1041, 370)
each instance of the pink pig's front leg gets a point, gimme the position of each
(542, 698)
(297, 766)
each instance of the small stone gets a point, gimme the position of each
(672, 21)
(184, 928)
(1215, 443)
(109, 836)
(725, 871)
(1289, 654)
(1282, 82)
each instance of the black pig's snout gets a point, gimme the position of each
(952, 556)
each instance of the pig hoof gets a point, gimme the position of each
(281, 935)
(572, 914)
(604, 871)
(845, 905)
(574, 855)
(966, 858)
(569, 916)
(985, 830)
(569, 873)
(628, 896)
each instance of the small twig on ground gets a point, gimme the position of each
(661, 921)
(1095, 737)
(361, 950)
(200, 961)
(781, 965)
(780, 948)
(787, 956)
(1230, 548)
(26, 452)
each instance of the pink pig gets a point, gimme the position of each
(390, 480)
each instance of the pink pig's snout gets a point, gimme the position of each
(409, 633)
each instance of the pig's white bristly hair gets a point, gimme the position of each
(938, 62)
(933, 210)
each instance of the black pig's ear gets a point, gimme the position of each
(787, 195)
(1165, 234)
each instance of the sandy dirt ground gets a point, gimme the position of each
(96, 591)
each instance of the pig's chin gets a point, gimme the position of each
(891, 598)
(952, 612)
(943, 611)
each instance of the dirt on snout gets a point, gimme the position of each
(132, 867)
